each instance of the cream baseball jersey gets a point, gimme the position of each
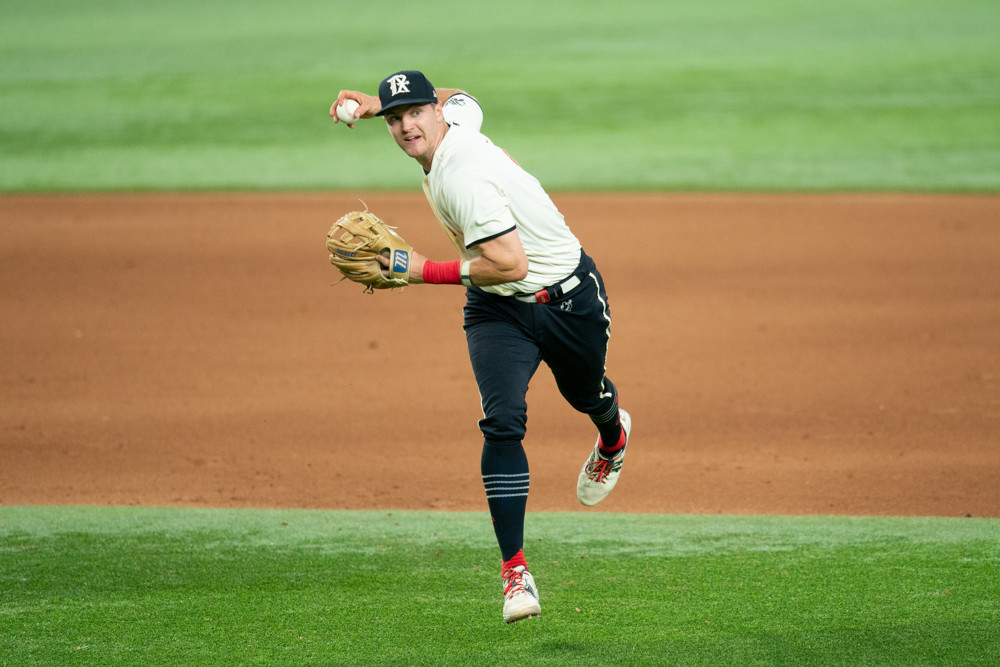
(478, 193)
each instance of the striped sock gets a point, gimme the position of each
(505, 478)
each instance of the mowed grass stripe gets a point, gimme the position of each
(203, 587)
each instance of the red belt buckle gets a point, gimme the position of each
(542, 296)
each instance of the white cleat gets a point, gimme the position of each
(520, 595)
(599, 475)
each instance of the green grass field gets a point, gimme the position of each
(633, 94)
(130, 586)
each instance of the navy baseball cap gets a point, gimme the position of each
(406, 87)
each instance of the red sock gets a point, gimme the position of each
(516, 559)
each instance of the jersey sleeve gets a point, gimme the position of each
(462, 110)
(481, 209)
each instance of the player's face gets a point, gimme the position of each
(417, 129)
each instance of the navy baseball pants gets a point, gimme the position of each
(508, 339)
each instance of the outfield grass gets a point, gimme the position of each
(630, 94)
(128, 586)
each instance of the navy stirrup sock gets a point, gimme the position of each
(609, 425)
(505, 477)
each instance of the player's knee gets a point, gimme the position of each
(504, 426)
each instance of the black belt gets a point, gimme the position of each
(554, 292)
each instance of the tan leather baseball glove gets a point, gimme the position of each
(356, 239)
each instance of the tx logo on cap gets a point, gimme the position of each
(409, 87)
(399, 84)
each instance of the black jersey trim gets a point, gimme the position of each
(490, 238)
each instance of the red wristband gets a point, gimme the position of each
(443, 273)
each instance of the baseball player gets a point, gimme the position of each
(532, 295)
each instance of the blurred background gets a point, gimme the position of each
(777, 95)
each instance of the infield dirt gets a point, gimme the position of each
(779, 355)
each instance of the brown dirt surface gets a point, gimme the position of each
(835, 354)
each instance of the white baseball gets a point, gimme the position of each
(345, 111)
